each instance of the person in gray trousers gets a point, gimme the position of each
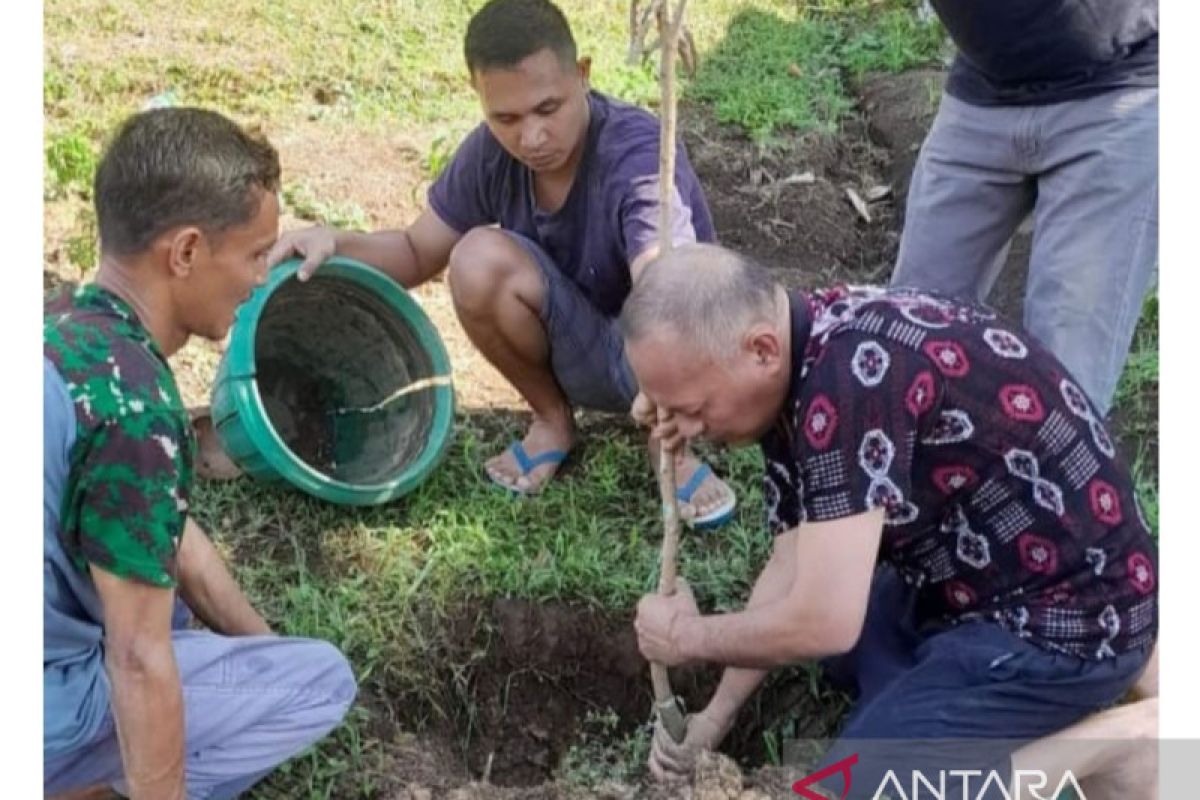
(1050, 108)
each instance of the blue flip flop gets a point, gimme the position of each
(528, 465)
(713, 519)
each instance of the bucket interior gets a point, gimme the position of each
(327, 351)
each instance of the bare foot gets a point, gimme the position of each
(1131, 773)
(1113, 754)
(543, 436)
(710, 495)
(212, 462)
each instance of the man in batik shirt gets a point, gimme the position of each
(135, 698)
(951, 521)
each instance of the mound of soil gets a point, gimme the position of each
(716, 777)
(898, 110)
(787, 203)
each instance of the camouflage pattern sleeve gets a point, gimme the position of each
(126, 511)
(126, 498)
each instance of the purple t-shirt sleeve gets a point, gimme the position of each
(461, 195)
(639, 216)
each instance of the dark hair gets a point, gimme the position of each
(505, 32)
(179, 166)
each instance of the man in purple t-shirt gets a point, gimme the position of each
(950, 517)
(545, 218)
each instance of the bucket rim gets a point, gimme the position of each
(251, 411)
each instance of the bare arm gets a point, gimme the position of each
(775, 581)
(210, 591)
(147, 700)
(638, 265)
(821, 612)
(410, 256)
(707, 729)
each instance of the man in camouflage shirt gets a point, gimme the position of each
(135, 699)
(953, 531)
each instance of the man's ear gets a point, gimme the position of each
(763, 343)
(184, 249)
(585, 70)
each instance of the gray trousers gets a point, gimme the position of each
(250, 703)
(1088, 171)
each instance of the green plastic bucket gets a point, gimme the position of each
(338, 386)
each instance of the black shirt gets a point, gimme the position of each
(1034, 52)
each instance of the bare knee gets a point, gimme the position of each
(485, 268)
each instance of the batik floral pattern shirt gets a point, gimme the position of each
(1005, 499)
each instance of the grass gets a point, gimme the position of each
(1137, 401)
(382, 583)
(593, 538)
(305, 204)
(603, 755)
(70, 164)
(788, 70)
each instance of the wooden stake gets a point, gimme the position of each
(669, 708)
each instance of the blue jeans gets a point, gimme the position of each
(250, 703)
(1088, 171)
(959, 698)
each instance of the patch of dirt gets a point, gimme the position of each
(60, 219)
(898, 110)
(532, 674)
(546, 667)
(345, 166)
(195, 367)
(788, 205)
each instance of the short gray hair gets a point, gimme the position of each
(706, 294)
